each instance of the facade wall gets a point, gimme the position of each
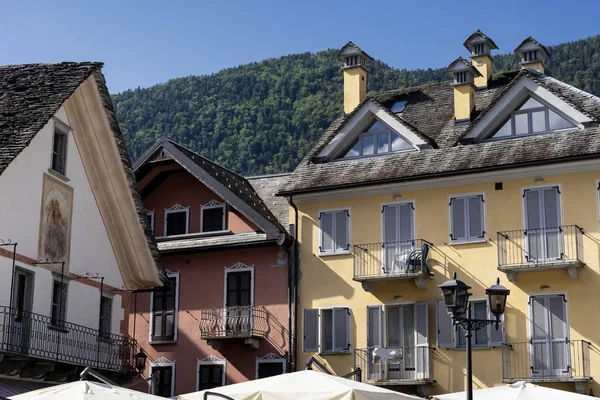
(328, 280)
(201, 287)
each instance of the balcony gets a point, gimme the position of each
(541, 249)
(546, 361)
(32, 347)
(396, 366)
(247, 322)
(392, 261)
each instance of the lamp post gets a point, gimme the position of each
(456, 299)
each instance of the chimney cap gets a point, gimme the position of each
(461, 65)
(350, 49)
(478, 37)
(530, 44)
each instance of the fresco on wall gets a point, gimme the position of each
(55, 221)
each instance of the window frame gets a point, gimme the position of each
(162, 364)
(61, 128)
(210, 206)
(320, 330)
(56, 280)
(374, 134)
(334, 250)
(151, 215)
(105, 335)
(467, 225)
(177, 208)
(239, 267)
(474, 345)
(211, 360)
(271, 358)
(175, 313)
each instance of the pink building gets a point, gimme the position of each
(224, 317)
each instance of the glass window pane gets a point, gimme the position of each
(480, 312)
(531, 103)
(399, 106)
(505, 130)
(399, 144)
(367, 145)
(354, 151)
(327, 329)
(538, 120)
(558, 122)
(377, 126)
(383, 143)
(521, 124)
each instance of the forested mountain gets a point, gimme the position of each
(263, 117)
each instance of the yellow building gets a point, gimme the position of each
(484, 178)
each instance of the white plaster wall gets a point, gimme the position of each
(91, 251)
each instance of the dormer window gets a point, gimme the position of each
(530, 56)
(532, 118)
(460, 77)
(477, 48)
(399, 106)
(213, 217)
(378, 139)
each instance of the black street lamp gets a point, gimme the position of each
(140, 361)
(456, 298)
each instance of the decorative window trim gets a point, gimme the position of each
(239, 267)
(170, 274)
(212, 205)
(162, 362)
(211, 360)
(334, 251)
(175, 209)
(271, 358)
(483, 218)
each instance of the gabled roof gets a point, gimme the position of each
(234, 188)
(430, 110)
(479, 37)
(535, 42)
(351, 45)
(460, 64)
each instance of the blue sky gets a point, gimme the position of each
(146, 42)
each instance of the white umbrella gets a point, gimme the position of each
(85, 390)
(302, 385)
(516, 391)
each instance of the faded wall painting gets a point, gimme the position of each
(55, 221)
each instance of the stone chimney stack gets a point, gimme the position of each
(480, 46)
(533, 54)
(464, 75)
(355, 75)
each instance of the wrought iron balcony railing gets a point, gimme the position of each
(391, 260)
(233, 322)
(29, 334)
(394, 366)
(542, 248)
(546, 361)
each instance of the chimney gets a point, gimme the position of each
(480, 46)
(464, 75)
(355, 75)
(533, 54)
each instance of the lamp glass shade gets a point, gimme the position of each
(497, 295)
(140, 361)
(462, 300)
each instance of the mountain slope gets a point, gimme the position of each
(263, 117)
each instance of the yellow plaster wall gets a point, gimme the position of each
(327, 281)
(464, 101)
(355, 87)
(485, 69)
(536, 65)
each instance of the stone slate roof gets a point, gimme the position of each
(267, 187)
(430, 110)
(239, 239)
(479, 37)
(30, 95)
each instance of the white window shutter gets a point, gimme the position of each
(326, 224)
(341, 230)
(406, 222)
(390, 233)
(458, 228)
(476, 221)
(444, 326)
(341, 329)
(422, 339)
(310, 325)
(374, 326)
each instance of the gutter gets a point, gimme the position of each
(293, 290)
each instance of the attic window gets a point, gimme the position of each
(532, 118)
(477, 49)
(530, 55)
(399, 106)
(460, 77)
(378, 139)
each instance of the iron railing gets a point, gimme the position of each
(540, 247)
(397, 365)
(30, 334)
(233, 322)
(390, 259)
(551, 361)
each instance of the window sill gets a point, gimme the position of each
(474, 348)
(458, 243)
(57, 328)
(58, 175)
(338, 253)
(155, 342)
(339, 353)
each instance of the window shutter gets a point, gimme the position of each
(389, 224)
(476, 229)
(310, 327)
(326, 232)
(374, 326)
(406, 222)
(497, 337)
(444, 326)
(458, 230)
(532, 209)
(422, 340)
(341, 329)
(341, 230)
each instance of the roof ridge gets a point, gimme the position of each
(267, 175)
(206, 158)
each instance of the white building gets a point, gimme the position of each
(72, 227)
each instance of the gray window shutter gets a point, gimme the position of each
(310, 327)
(551, 207)
(341, 230)
(341, 329)
(476, 228)
(390, 233)
(326, 232)
(374, 326)
(444, 326)
(497, 337)
(422, 340)
(532, 209)
(458, 229)
(406, 222)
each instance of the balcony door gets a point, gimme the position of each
(550, 347)
(21, 313)
(238, 302)
(543, 236)
(398, 236)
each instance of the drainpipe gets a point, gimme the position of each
(294, 287)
